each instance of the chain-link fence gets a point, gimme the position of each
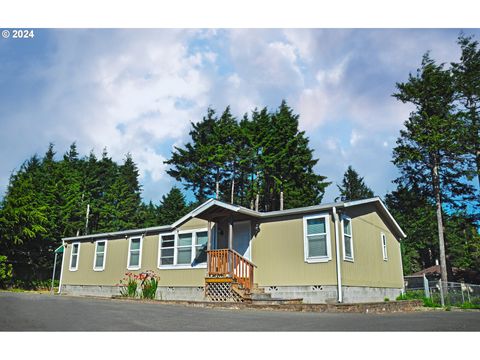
(454, 293)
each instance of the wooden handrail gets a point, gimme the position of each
(227, 262)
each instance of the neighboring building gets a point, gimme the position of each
(308, 253)
(433, 273)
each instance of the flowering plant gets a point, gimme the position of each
(128, 285)
(149, 284)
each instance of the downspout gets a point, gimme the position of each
(61, 270)
(337, 253)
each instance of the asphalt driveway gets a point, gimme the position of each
(44, 312)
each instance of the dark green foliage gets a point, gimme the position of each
(418, 295)
(416, 216)
(172, 207)
(353, 187)
(5, 272)
(430, 154)
(466, 75)
(47, 200)
(265, 156)
(432, 138)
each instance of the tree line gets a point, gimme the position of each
(263, 161)
(47, 199)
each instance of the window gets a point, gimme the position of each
(167, 248)
(100, 255)
(384, 246)
(201, 245)
(135, 253)
(74, 255)
(185, 249)
(347, 239)
(316, 238)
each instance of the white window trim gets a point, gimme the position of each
(345, 257)
(193, 247)
(384, 246)
(71, 257)
(104, 256)
(317, 259)
(140, 254)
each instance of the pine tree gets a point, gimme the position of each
(264, 161)
(172, 207)
(353, 187)
(467, 86)
(193, 165)
(429, 152)
(416, 215)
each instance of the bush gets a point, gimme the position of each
(5, 272)
(128, 285)
(386, 299)
(470, 305)
(149, 285)
(411, 295)
(427, 302)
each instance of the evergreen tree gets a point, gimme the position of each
(416, 215)
(428, 152)
(265, 160)
(193, 165)
(353, 187)
(467, 86)
(47, 200)
(148, 215)
(172, 207)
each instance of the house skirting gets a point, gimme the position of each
(190, 293)
(320, 294)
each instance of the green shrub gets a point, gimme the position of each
(470, 305)
(149, 285)
(411, 295)
(475, 300)
(427, 302)
(128, 285)
(5, 272)
(386, 299)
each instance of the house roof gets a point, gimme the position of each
(212, 205)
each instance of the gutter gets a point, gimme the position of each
(61, 270)
(337, 253)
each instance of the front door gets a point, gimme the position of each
(241, 238)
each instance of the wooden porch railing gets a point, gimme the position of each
(227, 262)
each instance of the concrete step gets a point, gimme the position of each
(260, 296)
(275, 301)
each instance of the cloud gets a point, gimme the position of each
(136, 91)
(120, 90)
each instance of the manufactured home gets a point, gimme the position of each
(338, 252)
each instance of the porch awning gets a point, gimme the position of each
(59, 250)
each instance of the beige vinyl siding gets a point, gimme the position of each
(369, 268)
(278, 252)
(116, 263)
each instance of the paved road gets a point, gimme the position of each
(43, 312)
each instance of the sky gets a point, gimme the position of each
(136, 91)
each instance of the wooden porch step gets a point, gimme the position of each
(218, 279)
